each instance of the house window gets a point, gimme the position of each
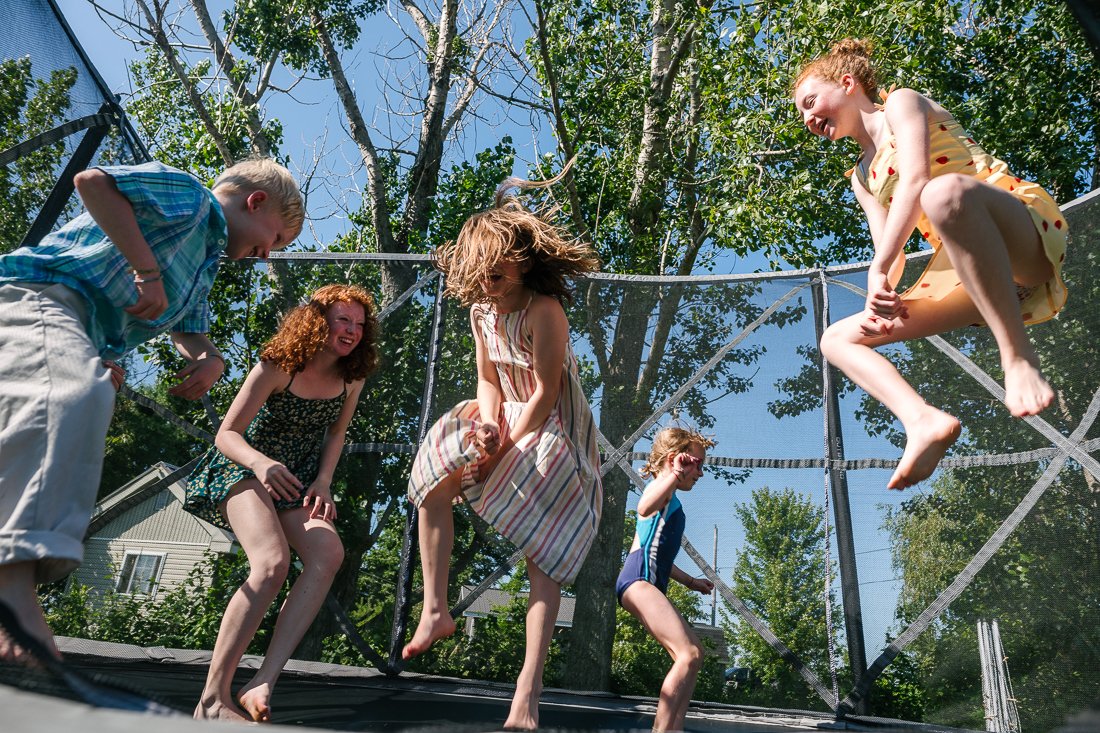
(140, 573)
(162, 500)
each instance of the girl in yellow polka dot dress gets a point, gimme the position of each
(999, 244)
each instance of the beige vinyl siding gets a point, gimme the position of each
(140, 523)
(103, 560)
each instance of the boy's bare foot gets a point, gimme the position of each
(432, 628)
(256, 701)
(217, 710)
(926, 442)
(524, 714)
(1026, 391)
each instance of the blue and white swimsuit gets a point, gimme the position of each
(658, 543)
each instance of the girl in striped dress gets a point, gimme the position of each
(999, 244)
(523, 453)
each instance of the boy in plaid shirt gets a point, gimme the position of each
(141, 261)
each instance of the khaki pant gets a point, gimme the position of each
(56, 401)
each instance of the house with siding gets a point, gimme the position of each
(141, 541)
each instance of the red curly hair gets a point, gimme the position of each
(303, 332)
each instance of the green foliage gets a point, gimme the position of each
(28, 107)
(187, 617)
(780, 575)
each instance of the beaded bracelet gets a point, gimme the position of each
(141, 280)
(145, 271)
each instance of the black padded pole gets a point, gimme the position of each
(1088, 15)
(842, 514)
(403, 601)
(63, 188)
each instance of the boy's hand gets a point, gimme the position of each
(151, 302)
(197, 378)
(118, 374)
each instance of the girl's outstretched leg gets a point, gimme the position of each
(321, 553)
(19, 593)
(542, 615)
(661, 619)
(257, 527)
(993, 245)
(437, 538)
(929, 431)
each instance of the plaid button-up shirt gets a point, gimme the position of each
(186, 229)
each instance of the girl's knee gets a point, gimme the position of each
(943, 197)
(270, 572)
(834, 339)
(331, 555)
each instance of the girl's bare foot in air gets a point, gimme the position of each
(214, 709)
(1026, 391)
(256, 701)
(927, 440)
(432, 628)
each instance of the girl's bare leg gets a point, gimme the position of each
(542, 614)
(254, 521)
(321, 552)
(993, 244)
(661, 619)
(437, 538)
(929, 431)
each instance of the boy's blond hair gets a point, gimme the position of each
(669, 442)
(264, 174)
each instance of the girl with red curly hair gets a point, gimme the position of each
(999, 243)
(269, 480)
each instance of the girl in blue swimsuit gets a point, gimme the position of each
(675, 462)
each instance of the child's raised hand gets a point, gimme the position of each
(684, 463)
(278, 480)
(487, 438)
(152, 300)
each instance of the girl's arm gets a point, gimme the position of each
(549, 339)
(264, 379)
(700, 585)
(488, 391)
(318, 497)
(907, 114)
(657, 494)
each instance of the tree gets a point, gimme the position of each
(780, 575)
(28, 107)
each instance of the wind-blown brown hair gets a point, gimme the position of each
(303, 332)
(509, 231)
(849, 56)
(669, 442)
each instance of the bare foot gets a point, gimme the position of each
(926, 442)
(213, 709)
(1026, 391)
(524, 714)
(256, 701)
(432, 628)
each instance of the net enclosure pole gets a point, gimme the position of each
(842, 513)
(403, 600)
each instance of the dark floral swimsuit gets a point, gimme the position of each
(288, 429)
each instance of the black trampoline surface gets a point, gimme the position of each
(331, 697)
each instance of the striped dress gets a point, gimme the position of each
(545, 494)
